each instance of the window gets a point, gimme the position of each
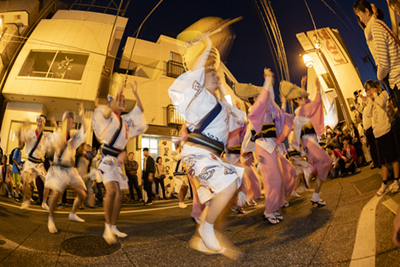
(55, 65)
(228, 81)
(175, 57)
(152, 145)
(175, 66)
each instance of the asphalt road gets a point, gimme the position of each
(354, 229)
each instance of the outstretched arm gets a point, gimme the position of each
(134, 91)
(203, 57)
(111, 101)
(303, 82)
(81, 114)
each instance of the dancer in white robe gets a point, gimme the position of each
(35, 141)
(114, 132)
(209, 122)
(62, 173)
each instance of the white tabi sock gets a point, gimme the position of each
(117, 232)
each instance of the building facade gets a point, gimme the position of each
(60, 66)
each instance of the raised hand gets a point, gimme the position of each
(81, 110)
(283, 99)
(206, 37)
(303, 82)
(133, 87)
(53, 121)
(268, 73)
(318, 84)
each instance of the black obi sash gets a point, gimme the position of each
(268, 131)
(197, 137)
(307, 128)
(234, 149)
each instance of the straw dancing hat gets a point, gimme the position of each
(191, 45)
(291, 91)
(246, 90)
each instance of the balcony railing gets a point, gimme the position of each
(174, 69)
(41, 74)
(173, 116)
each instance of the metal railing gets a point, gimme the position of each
(41, 74)
(174, 69)
(173, 116)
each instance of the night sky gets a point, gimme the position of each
(250, 52)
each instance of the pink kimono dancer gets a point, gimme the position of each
(278, 177)
(277, 172)
(317, 157)
(250, 179)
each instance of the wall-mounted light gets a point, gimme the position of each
(307, 61)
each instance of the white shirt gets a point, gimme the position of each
(377, 110)
(194, 101)
(67, 148)
(29, 137)
(133, 124)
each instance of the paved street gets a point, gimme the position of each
(159, 235)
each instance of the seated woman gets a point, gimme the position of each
(348, 159)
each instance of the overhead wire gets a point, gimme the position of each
(137, 34)
(279, 35)
(276, 47)
(268, 37)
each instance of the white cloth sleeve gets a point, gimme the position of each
(136, 122)
(237, 117)
(78, 138)
(186, 88)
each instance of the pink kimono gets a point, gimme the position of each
(312, 113)
(277, 172)
(250, 177)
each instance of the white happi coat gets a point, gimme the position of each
(133, 124)
(34, 169)
(194, 101)
(62, 173)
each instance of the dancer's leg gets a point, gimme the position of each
(81, 196)
(219, 202)
(117, 206)
(318, 184)
(182, 192)
(52, 207)
(215, 207)
(197, 207)
(111, 191)
(116, 209)
(53, 202)
(26, 190)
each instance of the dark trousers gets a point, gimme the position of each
(160, 182)
(133, 182)
(99, 194)
(344, 170)
(373, 149)
(191, 190)
(335, 172)
(40, 188)
(147, 187)
(64, 197)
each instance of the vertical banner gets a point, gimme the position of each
(165, 153)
